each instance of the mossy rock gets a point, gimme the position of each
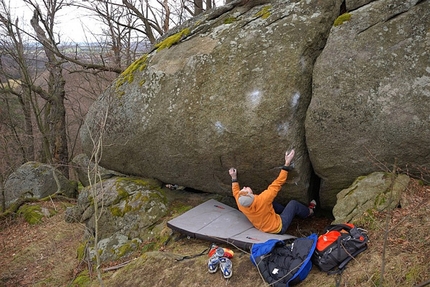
(83, 279)
(114, 247)
(34, 213)
(127, 206)
(377, 191)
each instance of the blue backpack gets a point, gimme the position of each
(283, 264)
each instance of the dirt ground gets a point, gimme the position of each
(45, 254)
(41, 254)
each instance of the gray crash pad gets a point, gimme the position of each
(220, 223)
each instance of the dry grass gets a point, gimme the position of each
(43, 254)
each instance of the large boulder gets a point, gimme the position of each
(37, 180)
(224, 90)
(370, 101)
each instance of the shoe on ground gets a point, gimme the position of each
(213, 264)
(226, 267)
(214, 260)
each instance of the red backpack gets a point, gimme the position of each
(337, 246)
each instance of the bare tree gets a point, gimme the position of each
(16, 128)
(11, 90)
(54, 94)
(147, 15)
(130, 27)
(122, 40)
(94, 177)
(51, 117)
(33, 89)
(196, 7)
(155, 18)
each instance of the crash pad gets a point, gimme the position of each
(220, 223)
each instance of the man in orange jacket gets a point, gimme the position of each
(261, 210)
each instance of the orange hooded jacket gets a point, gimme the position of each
(261, 213)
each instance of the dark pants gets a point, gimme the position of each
(293, 208)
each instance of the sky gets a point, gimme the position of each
(71, 22)
(74, 22)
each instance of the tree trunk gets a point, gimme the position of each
(17, 52)
(198, 7)
(55, 97)
(57, 121)
(29, 142)
(209, 4)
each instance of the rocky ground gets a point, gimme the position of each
(45, 254)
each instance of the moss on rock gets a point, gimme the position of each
(180, 209)
(135, 199)
(341, 19)
(264, 13)
(32, 213)
(230, 20)
(119, 211)
(127, 248)
(128, 74)
(83, 279)
(80, 251)
(171, 40)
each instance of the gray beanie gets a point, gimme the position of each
(246, 200)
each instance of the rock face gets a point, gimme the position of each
(233, 92)
(37, 180)
(237, 87)
(371, 95)
(354, 4)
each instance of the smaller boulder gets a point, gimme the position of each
(376, 191)
(37, 180)
(128, 209)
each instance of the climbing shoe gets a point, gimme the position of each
(214, 260)
(226, 267)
